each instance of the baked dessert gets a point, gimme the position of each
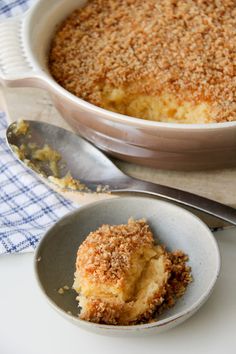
(167, 60)
(123, 278)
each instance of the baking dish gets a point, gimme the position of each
(23, 62)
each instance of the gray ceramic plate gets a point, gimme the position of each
(172, 226)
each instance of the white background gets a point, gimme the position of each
(28, 325)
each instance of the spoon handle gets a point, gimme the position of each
(206, 205)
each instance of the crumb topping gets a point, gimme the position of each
(184, 47)
(105, 255)
(68, 182)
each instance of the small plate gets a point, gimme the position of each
(172, 226)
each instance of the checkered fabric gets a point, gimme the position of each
(27, 206)
(10, 8)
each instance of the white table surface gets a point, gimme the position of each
(28, 325)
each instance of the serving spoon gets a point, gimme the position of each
(93, 168)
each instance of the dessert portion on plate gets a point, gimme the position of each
(122, 277)
(167, 60)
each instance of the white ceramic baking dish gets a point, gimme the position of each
(23, 62)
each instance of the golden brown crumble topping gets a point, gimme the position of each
(106, 253)
(186, 48)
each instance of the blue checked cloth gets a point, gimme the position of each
(10, 8)
(27, 206)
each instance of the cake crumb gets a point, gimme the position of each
(21, 127)
(60, 291)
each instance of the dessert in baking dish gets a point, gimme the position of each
(123, 278)
(167, 60)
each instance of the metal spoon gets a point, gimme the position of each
(93, 168)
